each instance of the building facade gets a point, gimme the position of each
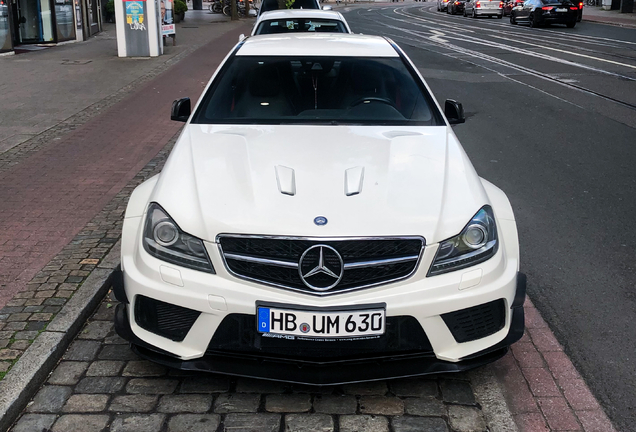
(28, 22)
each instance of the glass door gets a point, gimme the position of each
(35, 21)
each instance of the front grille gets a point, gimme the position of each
(165, 319)
(237, 334)
(364, 262)
(476, 322)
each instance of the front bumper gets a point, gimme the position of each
(213, 298)
(312, 372)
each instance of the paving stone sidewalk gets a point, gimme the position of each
(101, 385)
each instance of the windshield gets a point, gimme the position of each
(317, 90)
(300, 25)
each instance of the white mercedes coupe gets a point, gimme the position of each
(319, 222)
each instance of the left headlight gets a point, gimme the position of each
(476, 243)
(164, 240)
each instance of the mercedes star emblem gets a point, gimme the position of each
(320, 220)
(321, 267)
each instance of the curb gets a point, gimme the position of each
(612, 23)
(490, 396)
(27, 375)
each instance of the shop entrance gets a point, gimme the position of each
(33, 21)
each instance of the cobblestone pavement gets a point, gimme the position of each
(100, 384)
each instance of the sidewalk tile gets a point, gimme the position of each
(544, 340)
(541, 382)
(595, 421)
(515, 386)
(560, 365)
(558, 414)
(531, 422)
(578, 394)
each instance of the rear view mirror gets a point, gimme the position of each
(241, 37)
(327, 8)
(180, 110)
(454, 112)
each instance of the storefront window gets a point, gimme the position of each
(64, 19)
(5, 29)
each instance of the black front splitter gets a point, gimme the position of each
(319, 374)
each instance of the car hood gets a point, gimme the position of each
(275, 180)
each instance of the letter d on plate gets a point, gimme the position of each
(263, 320)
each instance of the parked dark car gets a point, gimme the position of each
(456, 7)
(543, 12)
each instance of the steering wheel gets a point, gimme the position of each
(364, 99)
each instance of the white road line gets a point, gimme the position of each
(574, 38)
(476, 40)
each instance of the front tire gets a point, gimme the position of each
(513, 21)
(465, 15)
(533, 22)
(474, 13)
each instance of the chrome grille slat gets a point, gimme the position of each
(274, 261)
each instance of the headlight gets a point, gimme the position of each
(476, 243)
(164, 240)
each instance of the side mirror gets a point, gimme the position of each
(241, 37)
(327, 8)
(454, 112)
(180, 110)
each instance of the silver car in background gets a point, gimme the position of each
(477, 8)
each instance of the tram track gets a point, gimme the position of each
(438, 37)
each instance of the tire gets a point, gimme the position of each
(227, 10)
(217, 7)
(571, 24)
(532, 21)
(513, 21)
(465, 12)
(474, 13)
(500, 16)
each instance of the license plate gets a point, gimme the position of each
(561, 10)
(318, 324)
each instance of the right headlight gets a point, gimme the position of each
(164, 240)
(476, 243)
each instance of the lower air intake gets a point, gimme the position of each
(476, 322)
(165, 319)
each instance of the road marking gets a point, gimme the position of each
(505, 47)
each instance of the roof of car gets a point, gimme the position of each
(322, 44)
(300, 13)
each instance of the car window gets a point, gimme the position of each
(300, 25)
(323, 90)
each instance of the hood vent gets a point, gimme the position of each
(354, 177)
(286, 179)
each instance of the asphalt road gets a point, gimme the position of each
(551, 118)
